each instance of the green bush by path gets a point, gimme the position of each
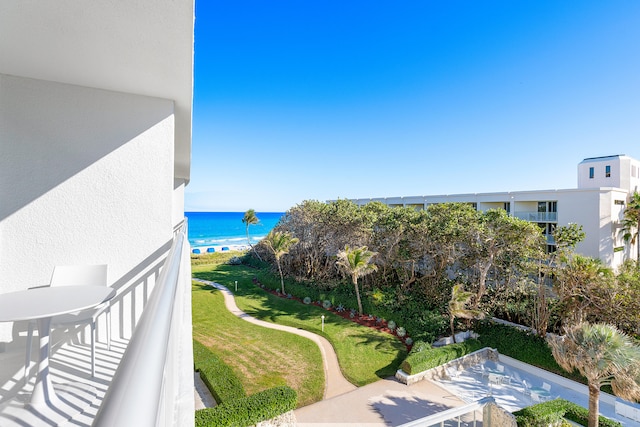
(551, 412)
(219, 378)
(422, 357)
(250, 410)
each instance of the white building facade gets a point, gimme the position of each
(598, 203)
(95, 152)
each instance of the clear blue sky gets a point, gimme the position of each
(297, 100)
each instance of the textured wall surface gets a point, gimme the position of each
(86, 176)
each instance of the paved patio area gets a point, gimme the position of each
(509, 390)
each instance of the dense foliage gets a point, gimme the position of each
(423, 357)
(552, 412)
(421, 255)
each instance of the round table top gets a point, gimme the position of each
(50, 301)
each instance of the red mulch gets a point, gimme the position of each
(364, 320)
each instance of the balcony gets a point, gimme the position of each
(145, 379)
(537, 216)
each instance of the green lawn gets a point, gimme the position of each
(262, 358)
(365, 355)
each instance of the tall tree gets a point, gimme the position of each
(604, 355)
(631, 222)
(582, 286)
(499, 239)
(279, 242)
(458, 307)
(356, 262)
(250, 218)
(566, 237)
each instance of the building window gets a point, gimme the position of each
(607, 171)
(542, 206)
(591, 172)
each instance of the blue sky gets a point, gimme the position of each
(297, 100)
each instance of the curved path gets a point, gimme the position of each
(335, 382)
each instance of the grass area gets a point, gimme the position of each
(261, 357)
(365, 355)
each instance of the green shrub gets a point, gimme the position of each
(219, 378)
(427, 358)
(426, 325)
(580, 415)
(552, 412)
(249, 410)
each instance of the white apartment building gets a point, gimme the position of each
(604, 187)
(95, 153)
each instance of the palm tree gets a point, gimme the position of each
(631, 222)
(457, 307)
(356, 263)
(248, 219)
(280, 242)
(604, 355)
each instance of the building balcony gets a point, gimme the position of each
(144, 379)
(537, 216)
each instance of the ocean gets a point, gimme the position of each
(227, 229)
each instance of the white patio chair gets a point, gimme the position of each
(483, 372)
(452, 373)
(78, 275)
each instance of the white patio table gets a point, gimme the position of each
(42, 304)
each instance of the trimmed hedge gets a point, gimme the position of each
(249, 410)
(552, 412)
(422, 358)
(219, 378)
(234, 407)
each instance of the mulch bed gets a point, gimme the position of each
(364, 320)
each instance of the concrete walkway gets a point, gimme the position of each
(335, 382)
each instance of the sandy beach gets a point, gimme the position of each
(218, 248)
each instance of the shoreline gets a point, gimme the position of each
(199, 250)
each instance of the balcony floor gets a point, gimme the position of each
(70, 363)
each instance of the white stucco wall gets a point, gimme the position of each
(86, 176)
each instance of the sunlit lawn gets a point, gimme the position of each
(365, 355)
(262, 358)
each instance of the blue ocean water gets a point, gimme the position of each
(227, 228)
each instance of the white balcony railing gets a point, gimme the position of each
(153, 384)
(537, 216)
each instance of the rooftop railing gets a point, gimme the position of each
(153, 385)
(453, 416)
